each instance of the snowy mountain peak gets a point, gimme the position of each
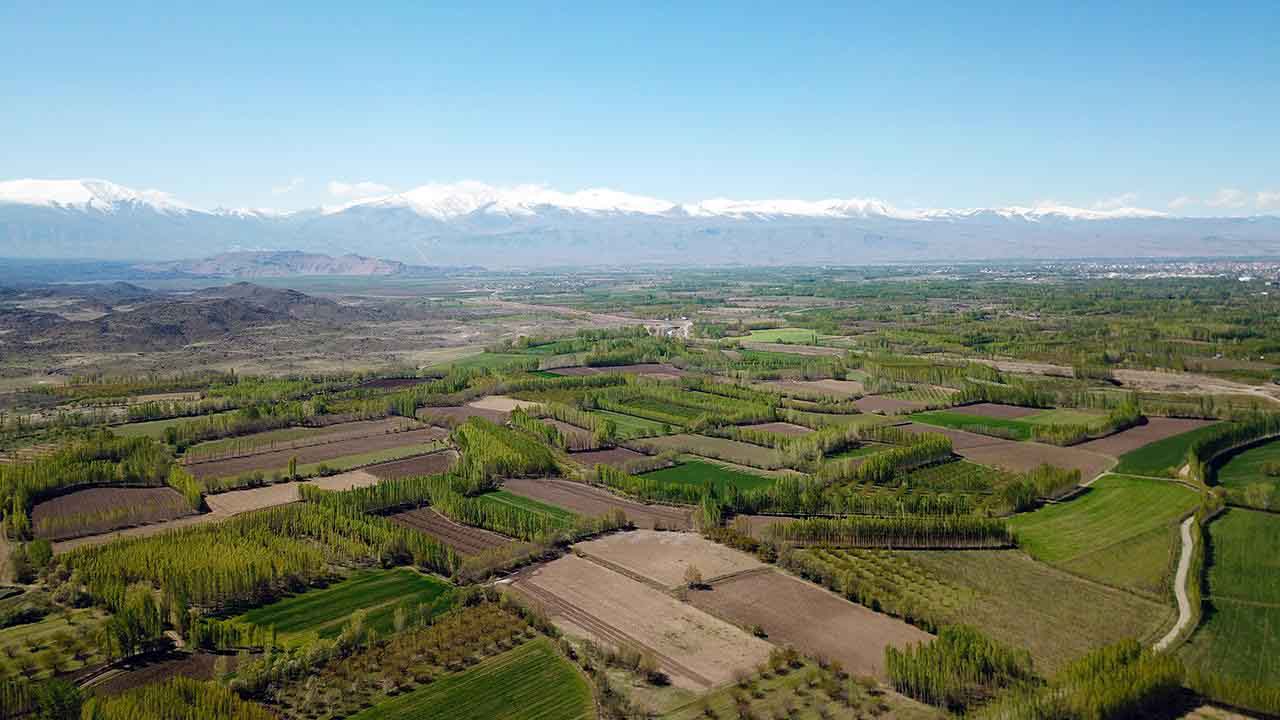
(447, 201)
(87, 194)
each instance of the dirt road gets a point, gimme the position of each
(1180, 586)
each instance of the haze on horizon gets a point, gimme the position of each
(1090, 106)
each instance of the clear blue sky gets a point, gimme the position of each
(924, 105)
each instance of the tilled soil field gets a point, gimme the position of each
(436, 462)
(814, 621)
(613, 457)
(996, 410)
(1020, 456)
(714, 447)
(819, 388)
(662, 558)
(460, 413)
(393, 383)
(267, 462)
(464, 539)
(696, 650)
(314, 436)
(199, 666)
(98, 510)
(593, 502)
(575, 437)
(886, 405)
(500, 403)
(658, 370)
(1156, 428)
(780, 428)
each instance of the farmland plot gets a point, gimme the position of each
(662, 557)
(613, 457)
(1240, 637)
(294, 437)
(1155, 429)
(698, 473)
(841, 389)
(1016, 456)
(325, 611)
(97, 510)
(590, 501)
(696, 650)
(816, 622)
(780, 428)
(458, 414)
(463, 538)
(575, 438)
(530, 682)
(719, 448)
(313, 454)
(996, 410)
(429, 464)
(1121, 531)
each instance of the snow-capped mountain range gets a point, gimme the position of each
(529, 225)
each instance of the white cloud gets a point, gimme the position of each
(1228, 198)
(1124, 200)
(1269, 200)
(357, 190)
(1182, 201)
(293, 184)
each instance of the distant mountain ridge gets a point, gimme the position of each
(472, 223)
(283, 263)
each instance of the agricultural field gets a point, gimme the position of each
(630, 426)
(429, 464)
(465, 539)
(294, 437)
(530, 682)
(926, 394)
(716, 448)
(537, 507)
(996, 410)
(575, 438)
(98, 510)
(585, 599)
(1252, 476)
(786, 336)
(838, 389)
(1240, 635)
(885, 405)
(341, 455)
(959, 420)
(785, 429)
(591, 501)
(807, 692)
(698, 473)
(809, 618)
(62, 641)
(380, 593)
(1165, 455)
(613, 457)
(446, 414)
(1019, 456)
(961, 476)
(1121, 531)
(662, 558)
(1057, 616)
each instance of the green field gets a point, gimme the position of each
(1240, 634)
(960, 476)
(794, 336)
(697, 472)
(531, 682)
(262, 439)
(1057, 616)
(155, 428)
(379, 592)
(862, 450)
(483, 360)
(1121, 531)
(630, 426)
(1016, 429)
(554, 512)
(1163, 457)
(843, 420)
(1246, 483)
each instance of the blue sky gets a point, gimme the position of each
(1160, 105)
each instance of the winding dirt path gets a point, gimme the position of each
(1180, 587)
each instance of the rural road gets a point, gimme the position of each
(1180, 587)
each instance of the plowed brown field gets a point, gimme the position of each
(267, 462)
(696, 650)
(436, 462)
(809, 618)
(464, 539)
(592, 502)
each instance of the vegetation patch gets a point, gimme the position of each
(1120, 531)
(531, 682)
(380, 593)
(998, 427)
(1252, 476)
(1240, 636)
(1163, 457)
(700, 474)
